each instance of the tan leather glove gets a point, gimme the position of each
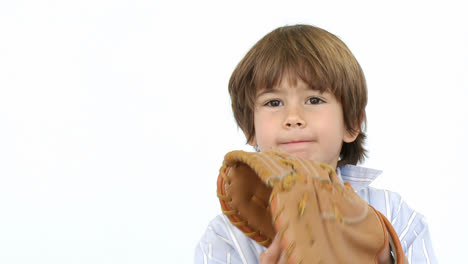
(319, 218)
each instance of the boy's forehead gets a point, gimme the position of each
(285, 86)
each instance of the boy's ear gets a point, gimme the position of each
(351, 135)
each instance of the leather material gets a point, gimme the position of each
(319, 218)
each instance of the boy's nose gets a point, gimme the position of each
(294, 124)
(294, 120)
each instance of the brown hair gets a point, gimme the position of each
(319, 59)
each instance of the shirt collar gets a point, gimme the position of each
(359, 177)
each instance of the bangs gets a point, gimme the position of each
(289, 58)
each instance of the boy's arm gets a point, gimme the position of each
(224, 243)
(418, 244)
(409, 225)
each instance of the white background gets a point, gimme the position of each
(115, 117)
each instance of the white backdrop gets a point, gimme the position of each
(115, 116)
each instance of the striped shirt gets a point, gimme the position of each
(224, 243)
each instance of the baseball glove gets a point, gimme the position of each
(319, 218)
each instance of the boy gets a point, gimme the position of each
(300, 90)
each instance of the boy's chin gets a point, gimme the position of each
(300, 154)
(308, 156)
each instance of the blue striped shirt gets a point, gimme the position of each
(224, 243)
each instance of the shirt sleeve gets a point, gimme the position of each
(224, 243)
(411, 226)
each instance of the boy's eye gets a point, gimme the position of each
(274, 103)
(315, 100)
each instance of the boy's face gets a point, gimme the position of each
(300, 121)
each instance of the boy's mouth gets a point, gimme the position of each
(295, 144)
(298, 141)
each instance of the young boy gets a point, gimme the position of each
(300, 90)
